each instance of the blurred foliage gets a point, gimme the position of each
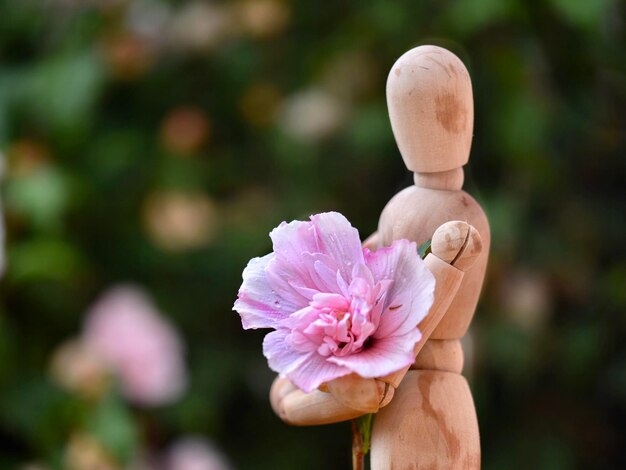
(159, 143)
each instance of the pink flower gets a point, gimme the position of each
(124, 328)
(336, 308)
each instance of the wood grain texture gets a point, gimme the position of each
(451, 180)
(297, 408)
(440, 354)
(453, 234)
(429, 96)
(430, 424)
(360, 394)
(415, 213)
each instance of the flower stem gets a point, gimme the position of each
(358, 453)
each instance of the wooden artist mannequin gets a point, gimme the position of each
(425, 415)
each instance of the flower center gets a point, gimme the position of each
(343, 324)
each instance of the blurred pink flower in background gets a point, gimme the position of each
(138, 344)
(337, 308)
(195, 453)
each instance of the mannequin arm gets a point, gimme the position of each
(455, 246)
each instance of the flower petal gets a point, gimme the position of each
(280, 356)
(307, 371)
(339, 240)
(280, 279)
(307, 252)
(383, 356)
(324, 272)
(290, 241)
(314, 371)
(257, 303)
(290, 273)
(411, 295)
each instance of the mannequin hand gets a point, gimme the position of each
(366, 395)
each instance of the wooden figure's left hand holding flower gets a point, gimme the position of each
(336, 307)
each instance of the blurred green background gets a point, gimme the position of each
(159, 142)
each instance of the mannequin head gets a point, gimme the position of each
(429, 96)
